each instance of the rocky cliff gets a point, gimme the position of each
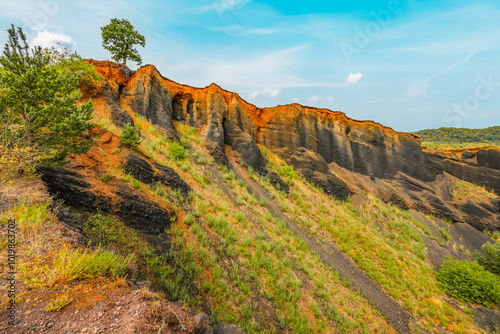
(315, 141)
(287, 258)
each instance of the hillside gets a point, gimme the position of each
(458, 138)
(288, 219)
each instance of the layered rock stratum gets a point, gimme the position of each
(321, 144)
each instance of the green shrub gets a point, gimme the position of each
(494, 234)
(176, 151)
(106, 177)
(489, 257)
(130, 136)
(469, 282)
(136, 184)
(445, 234)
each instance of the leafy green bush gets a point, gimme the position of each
(469, 282)
(176, 151)
(106, 177)
(445, 234)
(130, 136)
(489, 257)
(38, 99)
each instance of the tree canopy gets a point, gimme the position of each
(38, 98)
(119, 37)
(461, 135)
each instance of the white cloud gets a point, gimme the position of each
(313, 98)
(267, 92)
(354, 77)
(224, 5)
(296, 99)
(239, 30)
(329, 98)
(47, 39)
(274, 69)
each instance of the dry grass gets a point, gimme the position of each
(469, 191)
(382, 240)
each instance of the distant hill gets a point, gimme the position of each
(458, 138)
(460, 135)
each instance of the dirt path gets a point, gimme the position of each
(396, 315)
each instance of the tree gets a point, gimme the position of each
(38, 99)
(119, 38)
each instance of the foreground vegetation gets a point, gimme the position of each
(233, 251)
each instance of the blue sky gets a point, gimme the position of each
(409, 65)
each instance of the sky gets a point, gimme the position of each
(410, 65)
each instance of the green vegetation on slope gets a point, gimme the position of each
(39, 114)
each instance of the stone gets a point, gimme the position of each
(202, 323)
(229, 329)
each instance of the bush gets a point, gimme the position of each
(106, 177)
(130, 136)
(489, 257)
(469, 282)
(176, 151)
(39, 94)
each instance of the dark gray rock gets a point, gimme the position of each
(120, 116)
(170, 178)
(330, 183)
(276, 180)
(202, 324)
(229, 329)
(141, 214)
(468, 155)
(69, 186)
(139, 168)
(489, 158)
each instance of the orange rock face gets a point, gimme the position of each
(310, 139)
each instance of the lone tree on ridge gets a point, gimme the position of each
(120, 37)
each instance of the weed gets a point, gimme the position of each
(176, 151)
(136, 184)
(106, 177)
(58, 303)
(445, 234)
(130, 136)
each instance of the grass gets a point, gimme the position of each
(242, 257)
(106, 177)
(266, 259)
(445, 234)
(455, 145)
(465, 191)
(383, 241)
(495, 235)
(71, 264)
(58, 303)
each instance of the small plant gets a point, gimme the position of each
(283, 206)
(106, 177)
(493, 234)
(189, 219)
(130, 136)
(445, 234)
(176, 151)
(447, 221)
(125, 179)
(469, 282)
(136, 184)
(489, 257)
(58, 303)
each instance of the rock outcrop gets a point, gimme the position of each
(81, 186)
(315, 141)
